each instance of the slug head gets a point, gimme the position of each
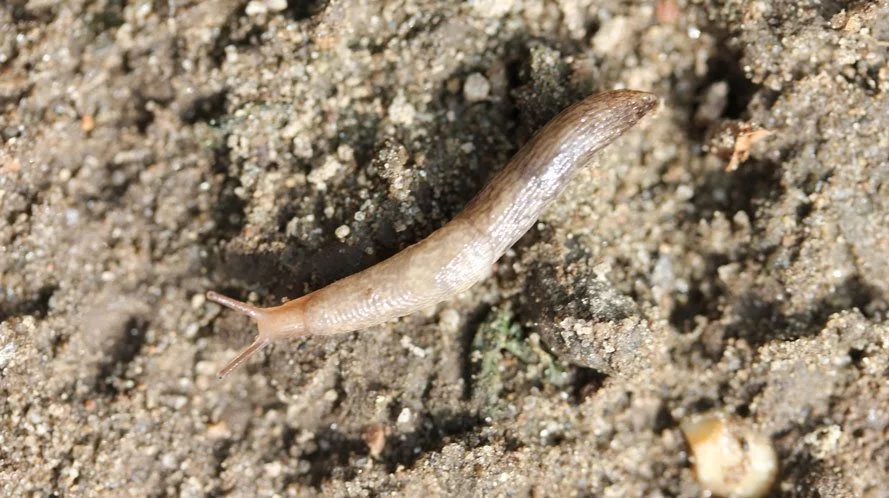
(277, 322)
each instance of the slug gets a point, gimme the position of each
(462, 252)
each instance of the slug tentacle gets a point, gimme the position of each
(271, 322)
(269, 328)
(247, 352)
(239, 306)
(459, 254)
(253, 312)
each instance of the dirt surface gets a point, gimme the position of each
(153, 150)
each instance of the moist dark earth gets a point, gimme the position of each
(154, 150)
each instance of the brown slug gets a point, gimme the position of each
(460, 253)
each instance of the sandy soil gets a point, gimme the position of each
(152, 150)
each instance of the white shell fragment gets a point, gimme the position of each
(731, 458)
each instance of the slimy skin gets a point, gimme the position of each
(460, 253)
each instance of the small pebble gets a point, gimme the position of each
(342, 231)
(273, 469)
(449, 320)
(476, 88)
(731, 458)
(218, 431)
(87, 123)
(374, 435)
(256, 8)
(491, 8)
(7, 353)
(198, 300)
(319, 176)
(401, 111)
(405, 416)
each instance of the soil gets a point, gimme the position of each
(154, 150)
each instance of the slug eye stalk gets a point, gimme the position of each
(249, 310)
(234, 304)
(247, 352)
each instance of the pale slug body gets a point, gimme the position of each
(461, 253)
